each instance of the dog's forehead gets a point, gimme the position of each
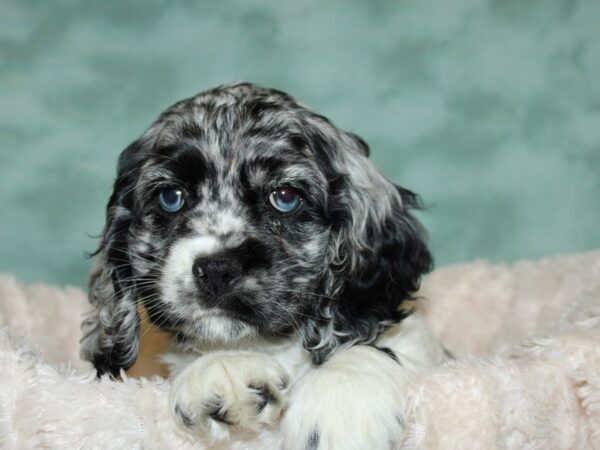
(238, 131)
(235, 109)
(239, 93)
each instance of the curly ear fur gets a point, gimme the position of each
(377, 251)
(111, 330)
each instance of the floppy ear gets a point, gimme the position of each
(377, 254)
(111, 330)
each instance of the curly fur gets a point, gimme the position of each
(335, 273)
(256, 297)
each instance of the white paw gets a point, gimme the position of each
(352, 402)
(229, 392)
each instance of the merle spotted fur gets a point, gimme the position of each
(333, 272)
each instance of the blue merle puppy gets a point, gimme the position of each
(279, 258)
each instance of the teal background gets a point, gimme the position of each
(489, 109)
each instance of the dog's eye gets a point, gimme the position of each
(285, 199)
(171, 199)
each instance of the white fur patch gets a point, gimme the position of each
(353, 401)
(177, 272)
(220, 393)
(217, 328)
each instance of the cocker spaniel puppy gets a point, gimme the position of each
(265, 241)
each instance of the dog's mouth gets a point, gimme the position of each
(219, 325)
(235, 306)
(216, 298)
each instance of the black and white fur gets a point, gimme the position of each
(314, 324)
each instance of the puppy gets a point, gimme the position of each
(265, 241)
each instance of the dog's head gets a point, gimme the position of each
(241, 213)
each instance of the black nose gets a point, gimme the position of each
(216, 275)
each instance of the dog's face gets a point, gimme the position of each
(241, 213)
(230, 224)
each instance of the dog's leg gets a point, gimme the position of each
(229, 391)
(356, 399)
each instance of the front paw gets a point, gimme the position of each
(228, 392)
(352, 402)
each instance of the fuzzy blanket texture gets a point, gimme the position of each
(526, 376)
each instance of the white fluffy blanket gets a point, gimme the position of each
(527, 373)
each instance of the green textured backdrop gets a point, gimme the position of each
(489, 109)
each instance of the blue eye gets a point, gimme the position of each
(171, 199)
(285, 199)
